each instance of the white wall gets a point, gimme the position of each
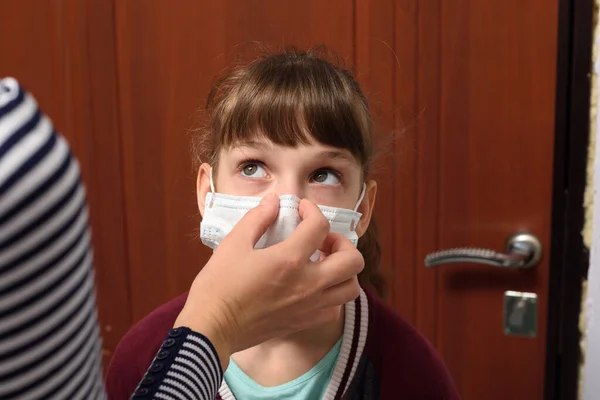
(591, 375)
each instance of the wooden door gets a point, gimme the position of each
(464, 91)
(463, 97)
(479, 80)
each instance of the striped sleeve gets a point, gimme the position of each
(186, 367)
(49, 339)
(50, 345)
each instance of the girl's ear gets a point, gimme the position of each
(202, 186)
(366, 207)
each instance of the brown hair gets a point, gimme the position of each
(291, 98)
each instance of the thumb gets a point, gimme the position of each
(255, 223)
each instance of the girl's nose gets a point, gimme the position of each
(290, 186)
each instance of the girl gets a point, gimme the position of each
(299, 126)
(49, 342)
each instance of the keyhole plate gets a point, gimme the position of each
(520, 314)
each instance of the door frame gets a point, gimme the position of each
(569, 257)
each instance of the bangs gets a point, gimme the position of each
(291, 101)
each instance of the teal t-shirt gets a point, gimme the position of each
(311, 385)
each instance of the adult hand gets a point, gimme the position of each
(243, 297)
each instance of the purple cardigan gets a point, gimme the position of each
(382, 356)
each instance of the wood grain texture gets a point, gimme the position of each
(472, 108)
(462, 95)
(495, 151)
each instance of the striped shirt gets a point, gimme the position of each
(50, 345)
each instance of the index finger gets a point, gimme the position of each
(309, 234)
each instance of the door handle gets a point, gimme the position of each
(522, 250)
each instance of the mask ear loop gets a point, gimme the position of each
(360, 199)
(212, 189)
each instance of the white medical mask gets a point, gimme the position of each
(222, 212)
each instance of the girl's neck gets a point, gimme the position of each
(284, 359)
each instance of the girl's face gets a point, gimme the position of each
(325, 175)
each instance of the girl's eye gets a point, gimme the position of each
(326, 177)
(253, 170)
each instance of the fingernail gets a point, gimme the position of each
(268, 198)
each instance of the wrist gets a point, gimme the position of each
(212, 329)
